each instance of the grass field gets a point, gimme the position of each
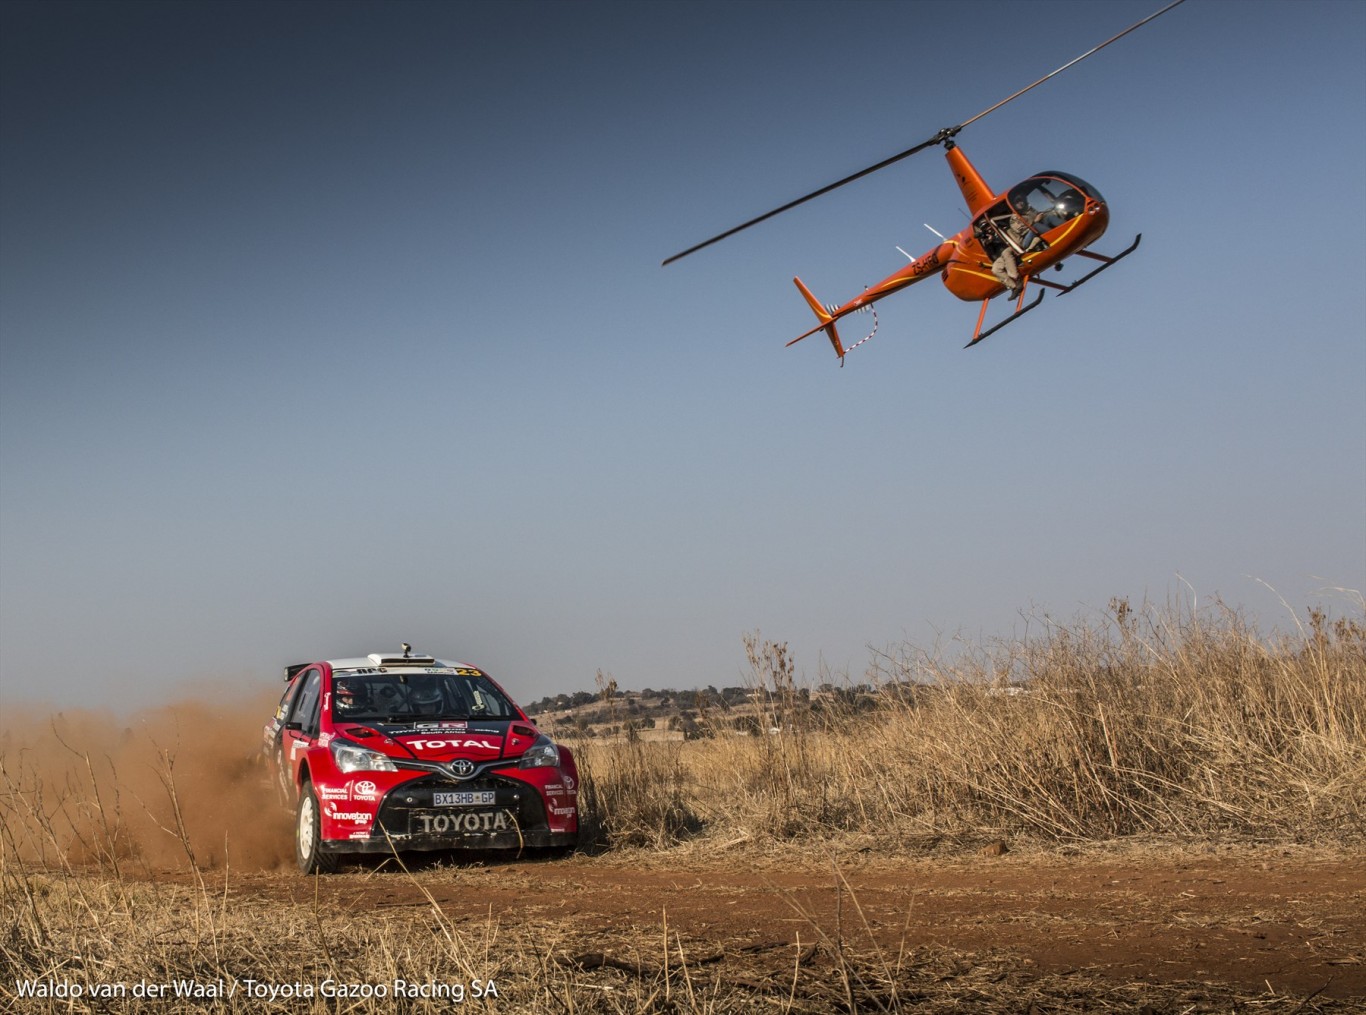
(140, 854)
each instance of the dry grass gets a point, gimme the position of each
(1150, 723)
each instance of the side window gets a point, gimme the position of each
(287, 699)
(305, 711)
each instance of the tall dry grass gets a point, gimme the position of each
(1153, 721)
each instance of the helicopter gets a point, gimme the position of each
(1013, 235)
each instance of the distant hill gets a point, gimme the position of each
(670, 714)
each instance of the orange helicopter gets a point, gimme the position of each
(1012, 238)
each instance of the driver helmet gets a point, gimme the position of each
(351, 694)
(426, 698)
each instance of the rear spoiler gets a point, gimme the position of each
(293, 671)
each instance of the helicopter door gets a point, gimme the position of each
(1000, 227)
(988, 235)
(1016, 224)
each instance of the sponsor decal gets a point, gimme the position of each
(442, 824)
(563, 812)
(366, 790)
(453, 744)
(333, 793)
(568, 781)
(357, 816)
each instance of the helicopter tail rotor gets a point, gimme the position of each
(826, 318)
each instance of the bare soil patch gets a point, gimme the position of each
(1259, 922)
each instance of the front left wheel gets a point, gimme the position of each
(309, 834)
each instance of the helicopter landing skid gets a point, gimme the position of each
(1106, 262)
(1062, 290)
(1020, 311)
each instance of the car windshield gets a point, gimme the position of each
(399, 697)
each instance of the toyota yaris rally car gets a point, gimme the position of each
(400, 752)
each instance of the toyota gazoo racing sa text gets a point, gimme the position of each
(407, 752)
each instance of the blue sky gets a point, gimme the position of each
(326, 327)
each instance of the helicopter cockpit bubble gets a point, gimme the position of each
(1060, 196)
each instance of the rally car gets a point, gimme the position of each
(407, 752)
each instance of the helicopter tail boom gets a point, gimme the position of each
(823, 315)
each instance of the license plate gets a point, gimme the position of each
(463, 798)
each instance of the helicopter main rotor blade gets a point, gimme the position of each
(939, 138)
(1076, 60)
(807, 197)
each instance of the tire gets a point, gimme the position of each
(308, 827)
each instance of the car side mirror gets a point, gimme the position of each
(296, 726)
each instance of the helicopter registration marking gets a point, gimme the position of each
(928, 264)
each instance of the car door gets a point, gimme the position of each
(300, 730)
(273, 747)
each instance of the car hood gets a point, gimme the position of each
(476, 739)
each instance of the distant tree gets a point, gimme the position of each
(607, 686)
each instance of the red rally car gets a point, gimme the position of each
(399, 752)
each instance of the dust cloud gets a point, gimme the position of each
(162, 787)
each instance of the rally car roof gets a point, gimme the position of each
(388, 661)
(394, 662)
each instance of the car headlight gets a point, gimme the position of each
(541, 754)
(351, 758)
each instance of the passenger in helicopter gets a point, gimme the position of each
(1018, 230)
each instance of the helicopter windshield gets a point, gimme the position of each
(1052, 196)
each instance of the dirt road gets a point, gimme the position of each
(1274, 920)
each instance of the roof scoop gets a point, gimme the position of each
(406, 659)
